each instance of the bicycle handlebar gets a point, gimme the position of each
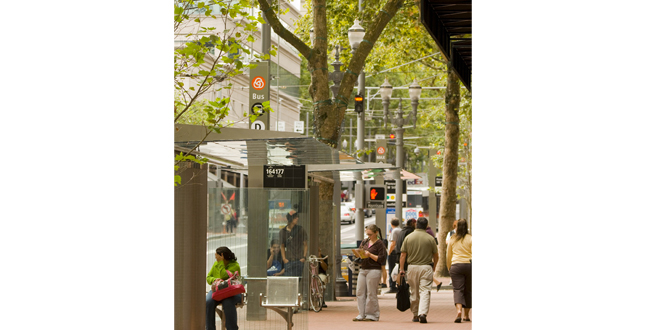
(314, 258)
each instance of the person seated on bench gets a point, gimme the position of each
(226, 260)
(275, 265)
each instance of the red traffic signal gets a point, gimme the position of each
(392, 136)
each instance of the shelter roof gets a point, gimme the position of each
(238, 148)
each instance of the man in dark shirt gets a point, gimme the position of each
(293, 245)
(405, 231)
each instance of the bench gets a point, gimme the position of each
(282, 292)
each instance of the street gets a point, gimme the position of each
(348, 231)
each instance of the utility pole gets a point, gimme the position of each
(359, 202)
(398, 212)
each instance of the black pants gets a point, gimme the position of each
(461, 275)
(391, 262)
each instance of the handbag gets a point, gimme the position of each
(403, 296)
(228, 288)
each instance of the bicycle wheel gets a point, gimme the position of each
(316, 296)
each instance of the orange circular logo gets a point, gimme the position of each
(380, 150)
(258, 83)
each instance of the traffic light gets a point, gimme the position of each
(358, 103)
(392, 136)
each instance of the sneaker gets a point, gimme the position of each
(357, 319)
(415, 319)
(422, 319)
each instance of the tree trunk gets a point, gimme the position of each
(450, 168)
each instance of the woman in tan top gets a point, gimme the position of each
(459, 261)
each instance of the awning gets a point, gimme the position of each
(449, 22)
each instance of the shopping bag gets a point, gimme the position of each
(403, 295)
(228, 288)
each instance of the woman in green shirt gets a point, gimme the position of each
(226, 260)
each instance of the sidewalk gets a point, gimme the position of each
(339, 314)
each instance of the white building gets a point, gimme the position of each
(284, 100)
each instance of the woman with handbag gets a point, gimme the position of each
(458, 259)
(369, 276)
(226, 264)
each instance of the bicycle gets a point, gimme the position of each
(316, 286)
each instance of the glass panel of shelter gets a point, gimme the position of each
(229, 223)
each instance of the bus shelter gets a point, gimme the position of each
(248, 217)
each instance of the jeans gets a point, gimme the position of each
(391, 262)
(367, 294)
(228, 306)
(293, 268)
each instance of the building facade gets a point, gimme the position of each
(284, 69)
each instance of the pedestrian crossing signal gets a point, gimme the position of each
(377, 194)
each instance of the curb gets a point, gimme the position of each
(219, 236)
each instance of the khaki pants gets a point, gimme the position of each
(367, 294)
(419, 278)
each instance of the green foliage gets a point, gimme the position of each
(403, 40)
(185, 158)
(206, 58)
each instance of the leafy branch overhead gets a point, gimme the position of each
(328, 114)
(212, 45)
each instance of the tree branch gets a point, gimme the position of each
(280, 30)
(358, 60)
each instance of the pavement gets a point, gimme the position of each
(340, 313)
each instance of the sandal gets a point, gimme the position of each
(458, 320)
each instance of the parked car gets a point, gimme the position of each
(368, 212)
(347, 212)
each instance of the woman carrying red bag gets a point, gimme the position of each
(226, 261)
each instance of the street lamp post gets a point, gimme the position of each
(415, 92)
(399, 121)
(336, 76)
(356, 33)
(386, 93)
